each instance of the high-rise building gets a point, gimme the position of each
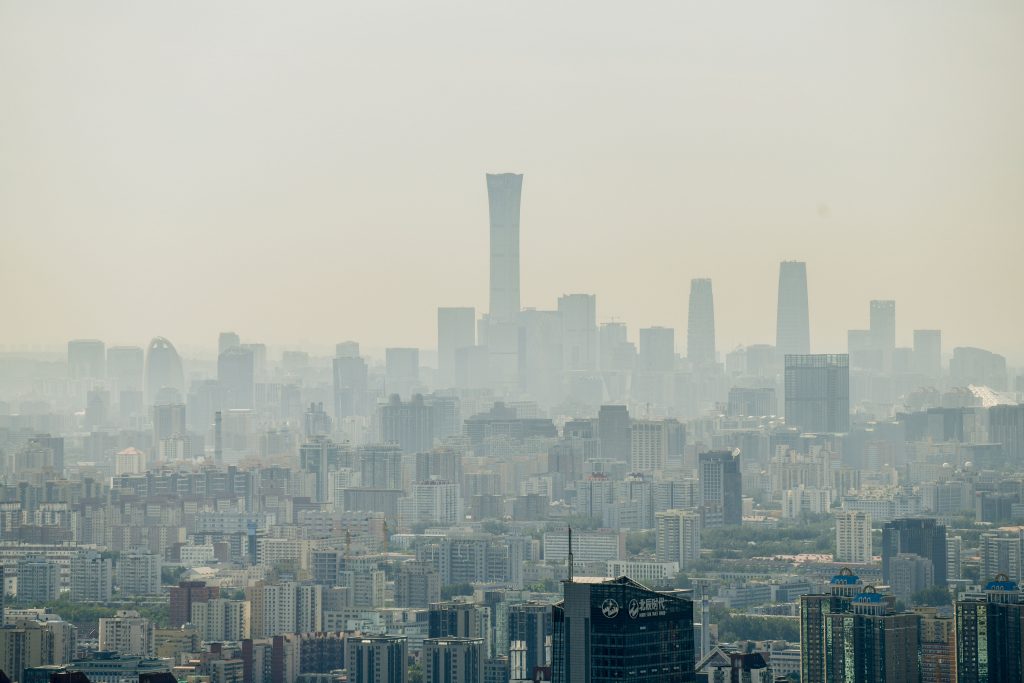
(408, 424)
(169, 420)
(923, 537)
(417, 585)
(530, 625)
(377, 659)
(164, 375)
(815, 611)
(456, 329)
(87, 359)
(128, 634)
(38, 581)
(454, 619)
(91, 577)
(648, 448)
(186, 594)
(578, 313)
(220, 620)
(752, 401)
(853, 536)
(721, 486)
(938, 646)
(350, 385)
(227, 340)
(453, 660)
(700, 330)
(990, 633)
(613, 341)
(138, 573)
(792, 328)
(613, 630)
(236, 374)
(818, 393)
(380, 466)
(883, 330)
(125, 366)
(657, 349)
(1006, 426)
(504, 195)
(971, 365)
(928, 353)
(873, 643)
(402, 370)
(614, 429)
(677, 537)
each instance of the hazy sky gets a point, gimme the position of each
(314, 171)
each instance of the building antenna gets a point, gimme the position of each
(570, 555)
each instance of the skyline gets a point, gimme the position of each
(702, 147)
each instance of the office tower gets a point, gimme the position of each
(818, 393)
(408, 424)
(883, 331)
(221, 620)
(346, 349)
(612, 339)
(38, 581)
(91, 577)
(417, 585)
(853, 537)
(657, 349)
(443, 464)
(971, 365)
(320, 456)
(457, 620)
(530, 625)
(862, 352)
(380, 466)
(186, 594)
(612, 630)
(456, 329)
(872, 643)
(792, 327)
(402, 370)
(86, 359)
(138, 573)
(752, 401)
(989, 628)
(227, 340)
(579, 331)
(815, 611)
(700, 329)
(236, 373)
(169, 420)
(677, 537)
(648, 445)
(928, 353)
(128, 634)
(1006, 426)
(919, 536)
(453, 660)
(721, 486)
(125, 366)
(376, 659)
(504, 193)
(614, 429)
(436, 502)
(286, 607)
(164, 375)
(350, 385)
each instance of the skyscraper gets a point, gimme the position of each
(989, 627)
(818, 392)
(86, 359)
(402, 370)
(453, 660)
(614, 630)
(883, 330)
(164, 374)
(125, 366)
(721, 486)
(873, 643)
(227, 340)
(579, 331)
(614, 432)
(923, 537)
(456, 329)
(377, 659)
(504, 194)
(792, 327)
(657, 349)
(530, 624)
(350, 385)
(700, 330)
(928, 353)
(236, 375)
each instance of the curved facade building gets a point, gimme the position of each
(163, 369)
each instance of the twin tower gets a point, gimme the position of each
(504, 196)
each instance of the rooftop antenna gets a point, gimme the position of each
(570, 555)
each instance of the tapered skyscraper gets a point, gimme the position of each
(504, 191)
(793, 329)
(700, 330)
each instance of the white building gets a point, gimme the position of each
(648, 445)
(127, 634)
(587, 546)
(138, 573)
(853, 536)
(677, 536)
(221, 620)
(798, 501)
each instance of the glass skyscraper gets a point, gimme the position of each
(818, 392)
(792, 329)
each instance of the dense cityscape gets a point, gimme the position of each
(538, 498)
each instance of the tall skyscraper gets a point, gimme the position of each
(721, 486)
(164, 374)
(700, 330)
(792, 327)
(402, 370)
(923, 537)
(989, 628)
(928, 353)
(125, 365)
(456, 329)
(504, 194)
(818, 393)
(579, 331)
(614, 432)
(614, 630)
(236, 375)
(883, 330)
(86, 359)
(227, 340)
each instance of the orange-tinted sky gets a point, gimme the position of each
(314, 171)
